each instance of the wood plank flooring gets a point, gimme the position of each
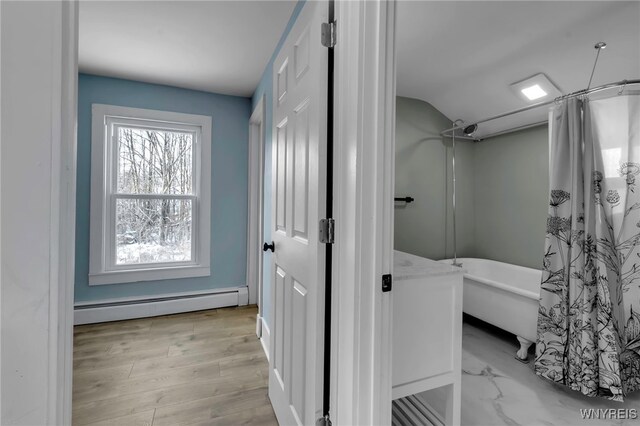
(197, 368)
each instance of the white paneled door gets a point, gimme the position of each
(299, 200)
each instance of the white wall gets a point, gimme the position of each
(37, 87)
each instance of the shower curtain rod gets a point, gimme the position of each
(582, 92)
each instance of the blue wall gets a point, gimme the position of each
(265, 88)
(229, 154)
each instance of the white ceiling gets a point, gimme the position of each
(462, 56)
(215, 46)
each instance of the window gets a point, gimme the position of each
(150, 195)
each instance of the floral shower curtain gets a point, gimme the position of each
(589, 315)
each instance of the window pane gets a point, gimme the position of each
(154, 161)
(153, 231)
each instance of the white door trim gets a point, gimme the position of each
(255, 216)
(64, 202)
(363, 204)
(35, 397)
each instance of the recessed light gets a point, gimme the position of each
(534, 92)
(537, 87)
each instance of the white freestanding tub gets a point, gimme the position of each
(503, 295)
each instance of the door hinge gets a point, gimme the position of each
(387, 281)
(328, 34)
(327, 231)
(323, 421)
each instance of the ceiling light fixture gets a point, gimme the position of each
(534, 92)
(538, 87)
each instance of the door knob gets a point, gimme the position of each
(271, 247)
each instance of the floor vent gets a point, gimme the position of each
(413, 411)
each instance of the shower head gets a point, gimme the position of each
(470, 129)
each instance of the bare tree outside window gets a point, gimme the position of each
(154, 198)
(150, 195)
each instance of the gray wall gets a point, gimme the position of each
(511, 185)
(502, 186)
(423, 160)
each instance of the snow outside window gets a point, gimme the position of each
(150, 195)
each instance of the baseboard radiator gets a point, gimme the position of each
(413, 411)
(140, 307)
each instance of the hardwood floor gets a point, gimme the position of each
(198, 368)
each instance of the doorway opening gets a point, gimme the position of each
(171, 343)
(255, 226)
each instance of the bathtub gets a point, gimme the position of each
(503, 295)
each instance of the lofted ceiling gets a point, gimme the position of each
(461, 56)
(214, 46)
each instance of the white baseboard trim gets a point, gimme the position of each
(265, 338)
(258, 326)
(243, 296)
(123, 309)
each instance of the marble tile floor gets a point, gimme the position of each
(497, 389)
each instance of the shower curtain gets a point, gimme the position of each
(589, 315)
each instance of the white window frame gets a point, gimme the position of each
(102, 263)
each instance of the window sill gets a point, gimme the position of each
(137, 275)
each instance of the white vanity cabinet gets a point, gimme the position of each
(427, 330)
